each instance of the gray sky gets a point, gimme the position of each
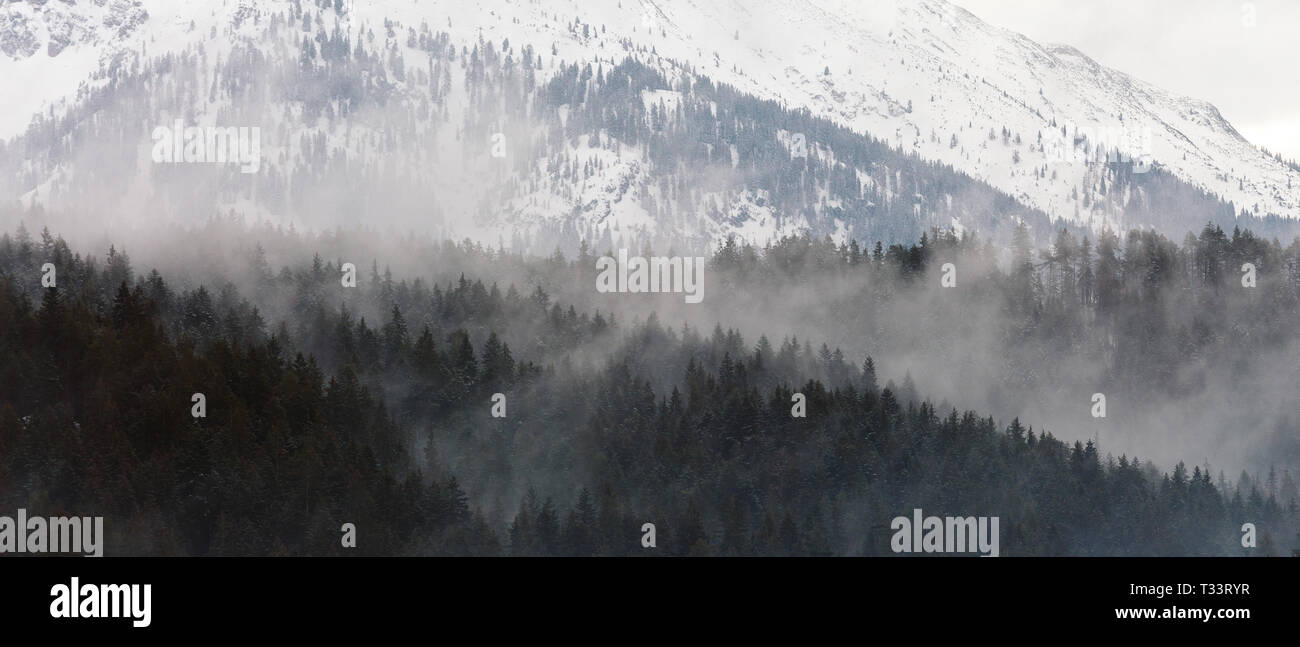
(1209, 49)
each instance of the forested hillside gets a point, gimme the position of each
(330, 413)
(394, 124)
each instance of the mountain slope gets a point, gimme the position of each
(924, 77)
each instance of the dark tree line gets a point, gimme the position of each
(325, 418)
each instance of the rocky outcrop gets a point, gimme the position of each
(28, 25)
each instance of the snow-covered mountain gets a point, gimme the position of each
(923, 76)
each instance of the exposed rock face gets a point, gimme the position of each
(17, 35)
(28, 25)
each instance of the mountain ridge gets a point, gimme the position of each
(932, 92)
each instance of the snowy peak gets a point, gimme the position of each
(1044, 124)
(858, 63)
(926, 75)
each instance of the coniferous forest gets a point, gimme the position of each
(373, 405)
(967, 299)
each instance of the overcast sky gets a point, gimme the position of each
(1209, 49)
